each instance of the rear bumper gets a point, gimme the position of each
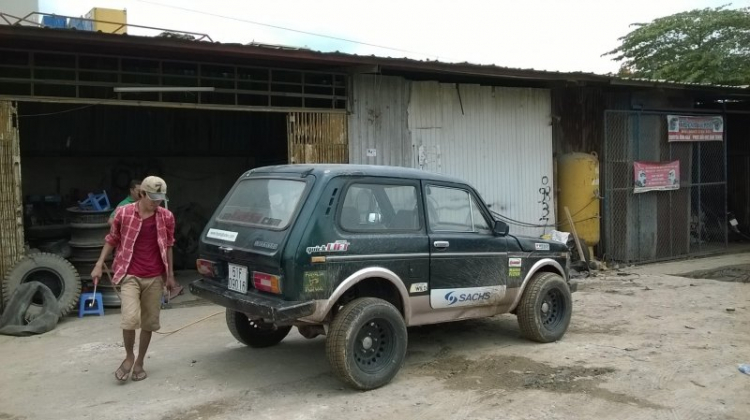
(254, 304)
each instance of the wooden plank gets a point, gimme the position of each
(11, 206)
(317, 137)
(575, 234)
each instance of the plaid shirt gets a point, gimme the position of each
(125, 229)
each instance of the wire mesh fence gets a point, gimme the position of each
(660, 225)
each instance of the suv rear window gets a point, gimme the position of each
(263, 202)
(380, 207)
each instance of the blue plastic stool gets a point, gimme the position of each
(96, 308)
(96, 201)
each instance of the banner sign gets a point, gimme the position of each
(656, 176)
(695, 128)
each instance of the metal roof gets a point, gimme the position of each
(83, 41)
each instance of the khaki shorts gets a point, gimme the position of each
(141, 302)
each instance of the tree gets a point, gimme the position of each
(709, 45)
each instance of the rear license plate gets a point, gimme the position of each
(237, 278)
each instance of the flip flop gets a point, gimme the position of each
(121, 374)
(139, 376)
(176, 291)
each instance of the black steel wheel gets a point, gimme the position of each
(553, 309)
(545, 309)
(366, 343)
(254, 333)
(374, 346)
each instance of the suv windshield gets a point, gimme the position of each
(263, 202)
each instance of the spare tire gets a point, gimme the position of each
(52, 271)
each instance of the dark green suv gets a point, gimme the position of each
(360, 253)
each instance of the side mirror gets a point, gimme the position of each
(501, 228)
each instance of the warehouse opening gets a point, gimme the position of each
(88, 124)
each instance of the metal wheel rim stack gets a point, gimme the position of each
(87, 231)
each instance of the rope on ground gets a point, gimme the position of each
(165, 333)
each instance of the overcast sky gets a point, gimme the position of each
(564, 35)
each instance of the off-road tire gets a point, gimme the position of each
(51, 270)
(545, 291)
(366, 343)
(253, 333)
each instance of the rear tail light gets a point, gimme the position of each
(207, 268)
(266, 282)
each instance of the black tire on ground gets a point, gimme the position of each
(51, 270)
(253, 333)
(545, 308)
(366, 343)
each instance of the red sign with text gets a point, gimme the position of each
(656, 176)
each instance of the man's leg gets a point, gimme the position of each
(128, 338)
(130, 293)
(138, 372)
(151, 293)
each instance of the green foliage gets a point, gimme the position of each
(699, 46)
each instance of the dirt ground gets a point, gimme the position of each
(643, 344)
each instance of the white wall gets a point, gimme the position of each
(19, 8)
(498, 139)
(378, 122)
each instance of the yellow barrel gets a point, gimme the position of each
(578, 186)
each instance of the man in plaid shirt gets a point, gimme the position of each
(143, 234)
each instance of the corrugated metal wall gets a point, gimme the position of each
(498, 139)
(578, 117)
(378, 121)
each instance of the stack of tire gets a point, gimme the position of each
(87, 231)
(51, 270)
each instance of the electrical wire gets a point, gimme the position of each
(537, 225)
(46, 114)
(336, 38)
(165, 333)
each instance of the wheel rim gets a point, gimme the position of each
(373, 347)
(552, 309)
(49, 278)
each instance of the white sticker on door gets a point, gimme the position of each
(515, 262)
(223, 235)
(541, 247)
(418, 288)
(468, 296)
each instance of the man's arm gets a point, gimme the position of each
(170, 222)
(96, 274)
(111, 241)
(171, 282)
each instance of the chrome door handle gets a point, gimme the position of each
(441, 244)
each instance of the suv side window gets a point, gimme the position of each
(454, 210)
(480, 223)
(379, 207)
